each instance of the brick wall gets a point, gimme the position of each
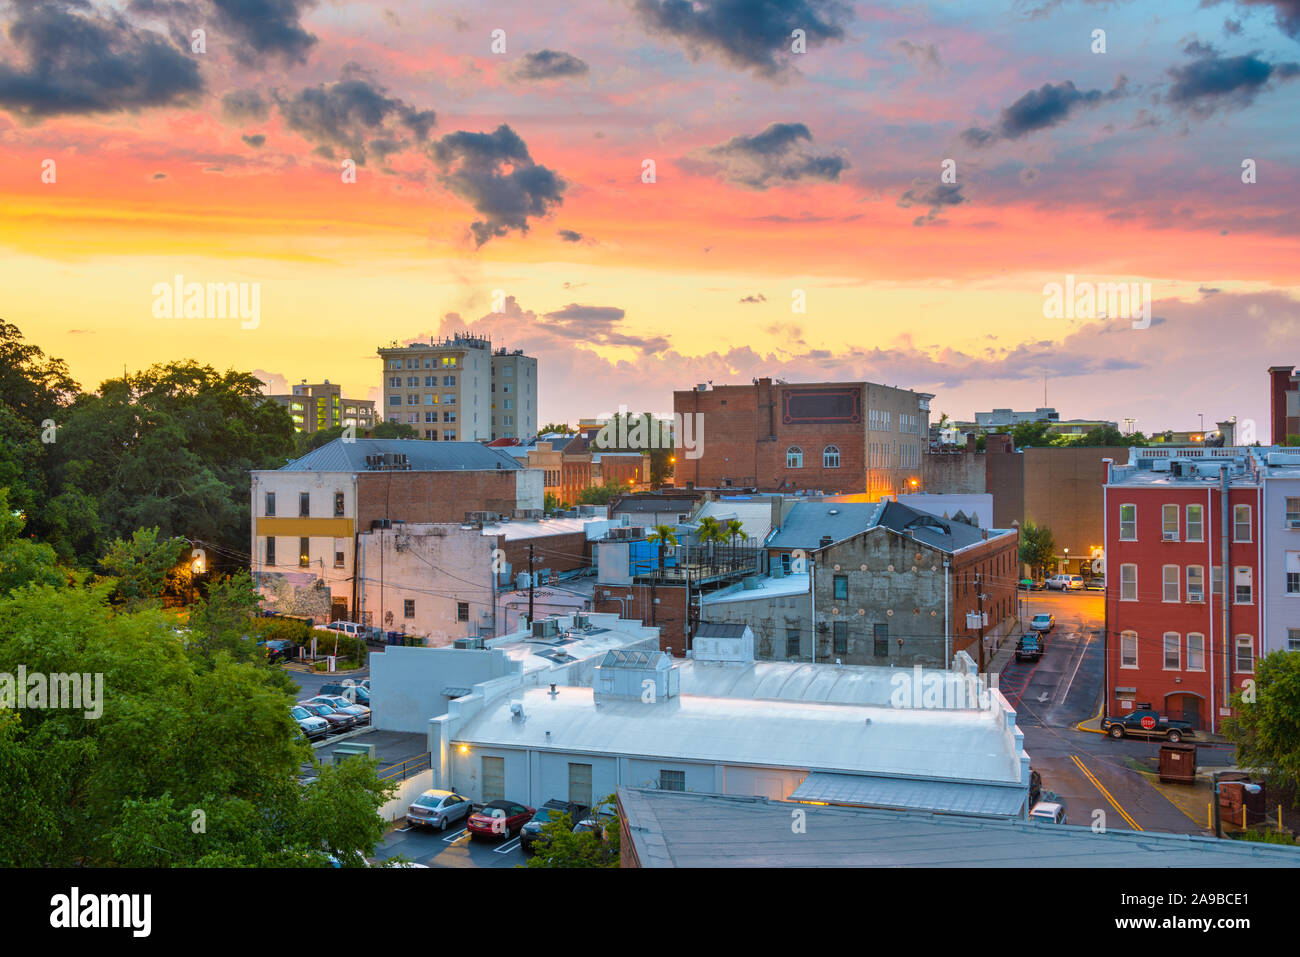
(433, 496)
(952, 473)
(669, 616)
(559, 553)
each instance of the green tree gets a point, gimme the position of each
(393, 430)
(140, 565)
(557, 428)
(1037, 547)
(551, 503)
(173, 765)
(664, 536)
(600, 494)
(1030, 434)
(1267, 728)
(559, 846)
(23, 561)
(1104, 435)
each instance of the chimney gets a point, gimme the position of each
(970, 441)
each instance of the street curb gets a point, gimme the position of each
(1095, 717)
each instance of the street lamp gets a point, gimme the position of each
(1067, 559)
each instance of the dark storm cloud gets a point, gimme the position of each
(242, 105)
(548, 65)
(933, 196)
(570, 236)
(1048, 106)
(257, 140)
(266, 28)
(747, 34)
(473, 168)
(353, 114)
(775, 155)
(1212, 81)
(79, 60)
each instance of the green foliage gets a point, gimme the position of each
(23, 561)
(392, 430)
(600, 494)
(1265, 837)
(1030, 434)
(1104, 435)
(172, 739)
(1037, 547)
(559, 846)
(1292, 440)
(557, 428)
(1267, 730)
(140, 565)
(551, 503)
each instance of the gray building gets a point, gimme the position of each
(1280, 549)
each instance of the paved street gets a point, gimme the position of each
(452, 848)
(1063, 688)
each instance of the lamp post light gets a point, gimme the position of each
(1067, 560)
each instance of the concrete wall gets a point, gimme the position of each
(952, 473)
(770, 618)
(407, 791)
(407, 683)
(435, 566)
(1063, 490)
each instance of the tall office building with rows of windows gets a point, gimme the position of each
(460, 389)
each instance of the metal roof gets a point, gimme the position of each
(809, 522)
(872, 685)
(950, 797)
(424, 456)
(621, 658)
(720, 629)
(685, 829)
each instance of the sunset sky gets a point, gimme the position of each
(775, 172)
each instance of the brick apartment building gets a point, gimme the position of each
(1284, 403)
(570, 464)
(315, 408)
(1174, 640)
(837, 437)
(306, 516)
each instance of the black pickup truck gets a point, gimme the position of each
(1146, 723)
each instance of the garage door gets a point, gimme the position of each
(494, 779)
(580, 784)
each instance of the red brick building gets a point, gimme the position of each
(1284, 403)
(846, 437)
(1174, 640)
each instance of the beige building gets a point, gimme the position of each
(314, 408)
(458, 389)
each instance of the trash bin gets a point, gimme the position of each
(1242, 797)
(1178, 763)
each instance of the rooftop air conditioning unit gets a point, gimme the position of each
(467, 643)
(581, 622)
(547, 628)
(1195, 594)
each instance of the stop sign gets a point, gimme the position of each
(1148, 722)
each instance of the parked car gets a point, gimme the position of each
(279, 649)
(1063, 582)
(435, 808)
(596, 822)
(1043, 623)
(1146, 723)
(354, 693)
(501, 818)
(1031, 645)
(337, 719)
(531, 833)
(340, 703)
(1048, 812)
(311, 726)
(1030, 584)
(1095, 584)
(1035, 786)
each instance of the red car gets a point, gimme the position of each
(501, 818)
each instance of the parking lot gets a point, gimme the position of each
(450, 848)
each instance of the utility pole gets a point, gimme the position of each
(530, 586)
(979, 596)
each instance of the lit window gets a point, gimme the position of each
(794, 457)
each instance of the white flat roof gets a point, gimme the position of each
(535, 528)
(796, 681)
(609, 632)
(939, 745)
(767, 588)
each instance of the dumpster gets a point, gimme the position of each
(1242, 802)
(1178, 763)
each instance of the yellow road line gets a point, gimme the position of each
(1106, 794)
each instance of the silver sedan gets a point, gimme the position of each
(435, 808)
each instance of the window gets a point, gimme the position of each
(1242, 581)
(880, 640)
(1196, 523)
(785, 562)
(431, 417)
(508, 371)
(580, 785)
(1241, 523)
(1128, 523)
(1128, 649)
(792, 642)
(395, 382)
(1245, 654)
(449, 398)
(338, 504)
(1195, 652)
(394, 400)
(1169, 523)
(270, 504)
(1172, 656)
(270, 550)
(672, 780)
(841, 587)
(408, 608)
(304, 552)
(1293, 513)
(1171, 583)
(1196, 583)
(840, 632)
(462, 611)
(449, 417)
(338, 559)
(430, 398)
(493, 778)
(413, 382)
(412, 399)
(831, 457)
(1292, 638)
(508, 404)
(1216, 579)
(505, 387)
(794, 457)
(448, 436)
(1128, 583)
(304, 504)
(1293, 573)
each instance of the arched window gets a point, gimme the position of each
(831, 457)
(794, 457)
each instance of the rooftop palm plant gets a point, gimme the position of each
(665, 535)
